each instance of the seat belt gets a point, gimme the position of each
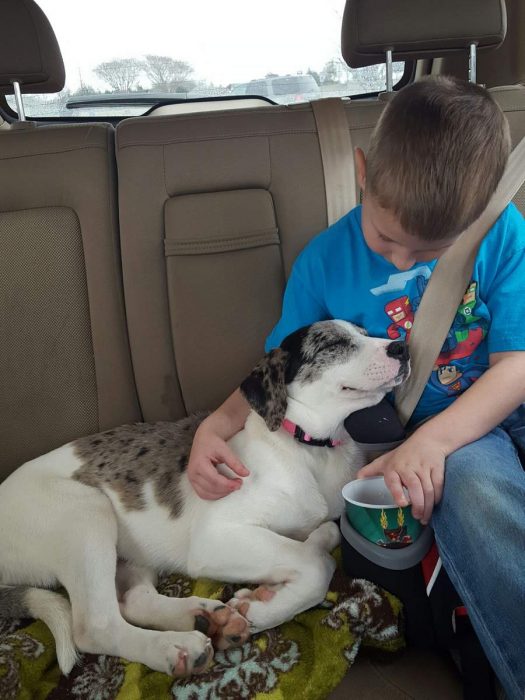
(447, 285)
(337, 156)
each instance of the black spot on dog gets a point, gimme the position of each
(312, 348)
(129, 458)
(166, 480)
(202, 624)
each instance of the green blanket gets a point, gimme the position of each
(305, 658)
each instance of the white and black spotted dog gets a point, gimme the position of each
(104, 514)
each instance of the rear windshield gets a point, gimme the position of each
(121, 58)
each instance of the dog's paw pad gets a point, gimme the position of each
(197, 661)
(225, 625)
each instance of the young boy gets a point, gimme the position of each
(435, 158)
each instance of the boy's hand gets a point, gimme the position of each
(207, 451)
(417, 465)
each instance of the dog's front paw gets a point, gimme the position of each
(181, 654)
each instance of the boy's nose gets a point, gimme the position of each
(402, 262)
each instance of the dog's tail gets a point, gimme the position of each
(52, 608)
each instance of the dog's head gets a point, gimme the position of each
(325, 371)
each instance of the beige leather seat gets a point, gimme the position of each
(65, 367)
(214, 208)
(503, 72)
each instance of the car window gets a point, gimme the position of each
(122, 57)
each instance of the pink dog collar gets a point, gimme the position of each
(305, 438)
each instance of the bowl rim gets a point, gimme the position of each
(372, 505)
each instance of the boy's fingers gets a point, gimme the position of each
(438, 480)
(372, 469)
(235, 464)
(208, 492)
(429, 495)
(395, 486)
(416, 495)
(212, 481)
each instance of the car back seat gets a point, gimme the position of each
(65, 367)
(214, 208)
(503, 72)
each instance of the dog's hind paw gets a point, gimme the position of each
(225, 625)
(263, 594)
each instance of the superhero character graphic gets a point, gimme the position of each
(453, 379)
(466, 309)
(401, 314)
(464, 337)
(460, 344)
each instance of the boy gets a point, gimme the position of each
(435, 158)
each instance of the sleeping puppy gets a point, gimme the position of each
(103, 515)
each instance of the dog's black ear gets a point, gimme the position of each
(265, 390)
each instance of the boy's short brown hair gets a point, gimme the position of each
(437, 155)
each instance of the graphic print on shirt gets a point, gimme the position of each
(456, 368)
(402, 309)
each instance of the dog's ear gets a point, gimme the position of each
(265, 390)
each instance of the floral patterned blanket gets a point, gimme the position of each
(304, 658)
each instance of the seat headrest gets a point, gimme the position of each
(418, 28)
(29, 51)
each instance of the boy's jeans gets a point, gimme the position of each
(480, 531)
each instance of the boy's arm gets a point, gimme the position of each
(419, 463)
(300, 307)
(209, 448)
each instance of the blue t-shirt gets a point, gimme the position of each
(338, 276)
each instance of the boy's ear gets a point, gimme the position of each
(265, 390)
(360, 167)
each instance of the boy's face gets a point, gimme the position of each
(385, 236)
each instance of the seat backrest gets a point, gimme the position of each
(511, 99)
(214, 208)
(65, 368)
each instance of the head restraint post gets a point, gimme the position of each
(389, 71)
(19, 102)
(472, 64)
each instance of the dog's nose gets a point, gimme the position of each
(398, 350)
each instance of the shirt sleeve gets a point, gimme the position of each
(506, 304)
(302, 304)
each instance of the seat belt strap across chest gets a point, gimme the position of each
(447, 286)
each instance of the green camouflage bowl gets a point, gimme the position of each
(371, 511)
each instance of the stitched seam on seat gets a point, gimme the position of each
(269, 237)
(228, 137)
(47, 153)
